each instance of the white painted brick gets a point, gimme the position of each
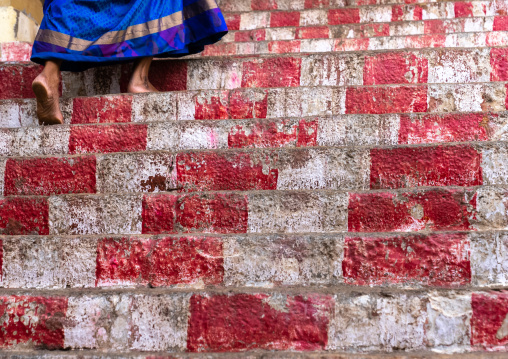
(448, 326)
(234, 5)
(49, 263)
(291, 4)
(186, 106)
(339, 101)
(466, 98)
(136, 172)
(276, 103)
(316, 45)
(154, 107)
(331, 70)
(308, 101)
(283, 260)
(495, 165)
(254, 20)
(3, 162)
(314, 17)
(229, 37)
(186, 136)
(160, 322)
(445, 10)
(480, 8)
(387, 43)
(319, 169)
(459, 66)
(213, 75)
(297, 212)
(33, 141)
(10, 114)
(492, 208)
(91, 214)
(95, 322)
(281, 33)
(358, 130)
(489, 258)
(376, 14)
(472, 39)
(478, 24)
(407, 28)
(398, 322)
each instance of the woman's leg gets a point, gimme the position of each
(45, 87)
(139, 82)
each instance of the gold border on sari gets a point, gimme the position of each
(132, 32)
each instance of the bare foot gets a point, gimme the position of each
(139, 82)
(141, 86)
(48, 107)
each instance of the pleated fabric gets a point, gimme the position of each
(88, 33)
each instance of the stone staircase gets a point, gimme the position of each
(330, 179)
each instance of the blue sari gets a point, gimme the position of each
(88, 33)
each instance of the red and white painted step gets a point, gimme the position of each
(192, 322)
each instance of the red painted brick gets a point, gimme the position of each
(398, 12)
(212, 171)
(212, 108)
(159, 262)
(233, 21)
(220, 49)
(501, 23)
(264, 4)
(244, 105)
(252, 35)
(434, 27)
(164, 75)
(241, 322)
(274, 72)
(285, 18)
(437, 210)
(101, 109)
(488, 322)
(444, 128)
(351, 44)
(17, 81)
(386, 99)
(463, 9)
(187, 260)
(395, 68)
(158, 214)
(262, 135)
(24, 216)
(425, 166)
(107, 139)
(499, 64)
(317, 32)
(212, 213)
(312, 4)
(307, 133)
(48, 176)
(283, 47)
(32, 321)
(437, 260)
(423, 41)
(343, 16)
(123, 261)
